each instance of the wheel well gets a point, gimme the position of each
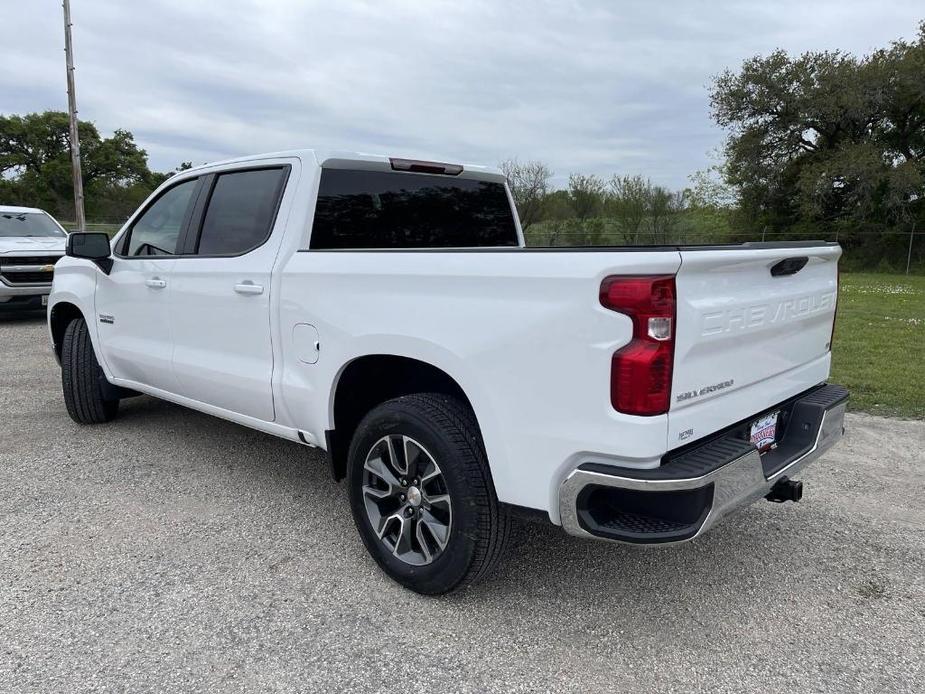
(61, 316)
(370, 381)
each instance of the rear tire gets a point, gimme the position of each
(82, 378)
(465, 529)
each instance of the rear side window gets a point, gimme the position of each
(381, 209)
(241, 211)
(157, 230)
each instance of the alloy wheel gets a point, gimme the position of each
(406, 499)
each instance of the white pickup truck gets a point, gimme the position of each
(31, 242)
(387, 311)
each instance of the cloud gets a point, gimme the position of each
(597, 87)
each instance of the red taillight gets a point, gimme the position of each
(640, 375)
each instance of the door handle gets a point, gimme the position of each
(248, 287)
(156, 283)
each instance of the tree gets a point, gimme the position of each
(36, 169)
(629, 204)
(587, 194)
(708, 189)
(710, 208)
(529, 183)
(825, 139)
(665, 207)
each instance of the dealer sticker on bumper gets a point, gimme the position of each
(764, 431)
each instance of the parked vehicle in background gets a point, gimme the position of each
(31, 242)
(387, 311)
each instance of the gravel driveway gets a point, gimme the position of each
(173, 551)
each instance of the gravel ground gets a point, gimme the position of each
(173, 551)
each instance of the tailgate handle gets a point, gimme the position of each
(789, 266)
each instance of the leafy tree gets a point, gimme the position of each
(592, 211)
(629, 204)
(35, 165)
(586, 194)
(665, 207)
(710, 209)
(709, 190)
(557, 206)
(826, 140)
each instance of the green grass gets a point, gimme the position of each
(879, 349)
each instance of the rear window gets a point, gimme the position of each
(381, 209)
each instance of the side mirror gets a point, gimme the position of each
(92, 246)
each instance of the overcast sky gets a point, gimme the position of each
(597, 86)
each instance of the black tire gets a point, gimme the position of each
(82, 378)
(480, 526)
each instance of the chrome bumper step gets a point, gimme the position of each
(693, 490)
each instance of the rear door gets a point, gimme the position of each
(220, 291)
(754, 328)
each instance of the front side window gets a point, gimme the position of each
(241, 211)
(28, 224)
(157, 230)
(384, 209)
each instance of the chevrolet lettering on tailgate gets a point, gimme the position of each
(757, 316)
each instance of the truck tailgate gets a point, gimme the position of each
(754, 326)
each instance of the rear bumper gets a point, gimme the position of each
(694, 489)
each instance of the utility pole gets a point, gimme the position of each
(72, 117)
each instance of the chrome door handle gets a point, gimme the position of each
(156, 283)
(248, 287)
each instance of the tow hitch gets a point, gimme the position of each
(785, 490)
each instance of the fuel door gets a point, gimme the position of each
(306, 342)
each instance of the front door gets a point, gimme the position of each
(132, 300)
(220, 293)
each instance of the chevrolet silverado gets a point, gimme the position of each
(388, 311)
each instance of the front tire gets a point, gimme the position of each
(422, 496)
(82, 378)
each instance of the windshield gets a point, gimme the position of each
(28, 224)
